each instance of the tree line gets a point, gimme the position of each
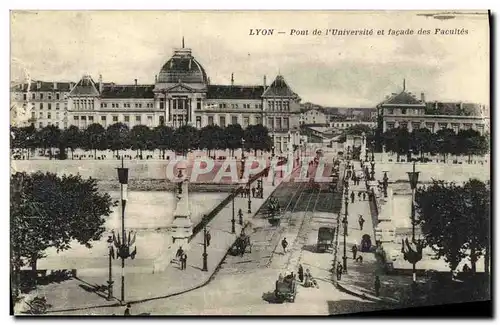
(47, 210)
(422, 141)
(455, 220)
(118, 137)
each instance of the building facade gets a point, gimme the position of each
(40, 103)
(181, 95)
(405, 110)
(313, 116)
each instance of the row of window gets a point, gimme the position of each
(83, 104)
(233, 106)
(402, 111)
(126, 105)
(40, 124)
(234, 120)
(279, 106)
(41, 115)
(431, 126)
(40, 96)
(278, 123)
(49, 106)
(114, 118)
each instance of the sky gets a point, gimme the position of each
(344, 71)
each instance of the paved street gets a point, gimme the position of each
(306, 209)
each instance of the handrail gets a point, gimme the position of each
(212, 214)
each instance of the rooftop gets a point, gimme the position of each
(234, 92)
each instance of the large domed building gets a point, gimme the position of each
(181, 95)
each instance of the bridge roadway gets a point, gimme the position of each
(243, 284)
(298, 201)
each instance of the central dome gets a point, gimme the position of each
(182, 68)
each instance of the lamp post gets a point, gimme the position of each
(413, 251)
(373, 150)
(233, 221)
(242, 157)
(366, 151)
(124, 245)
(345, 222)
(110, 276)
(249, 200)
(272, 160)
(373, 170)
(205, 255)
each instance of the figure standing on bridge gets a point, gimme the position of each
(253, 192)
(127, 311)
(377, 286)
(284, 244)
(340, 269)
(183, 261)
(352, 197)
(361, 221)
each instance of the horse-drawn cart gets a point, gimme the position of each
(274, 212)
(286, 289)
(240, 245)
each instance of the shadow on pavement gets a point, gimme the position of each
(270, 297)
(356, 307)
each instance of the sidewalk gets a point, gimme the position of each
(360, 278)
(75, 295)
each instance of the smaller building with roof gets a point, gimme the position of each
(405, 110)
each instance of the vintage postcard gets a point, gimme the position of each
(249, 162)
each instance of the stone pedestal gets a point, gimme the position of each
(182, 226)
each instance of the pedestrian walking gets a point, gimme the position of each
(361, 221)
(364, 196)
(377, 286)
(242, 193)
(284, 244)
(352, 197)
(301, 273)
(209, 237)
(339, 271)
(127, 310)
(179, 254)
(183, 261)
(253, 192)
(359, 196)
(354, 250)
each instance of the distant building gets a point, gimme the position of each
(342, 125)
(40, 103)
(313, 116)
(181, 95)
(405, 110)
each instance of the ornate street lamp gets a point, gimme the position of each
(249, 200)
(412, 251)
(242, 157)
(122, 244)
(111, 253)
(233, 221)
(373, 150)
(345, 222)
(272, 160)
(205, 255)
(385, 183)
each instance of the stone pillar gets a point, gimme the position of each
(363, 148)
(182, 226)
